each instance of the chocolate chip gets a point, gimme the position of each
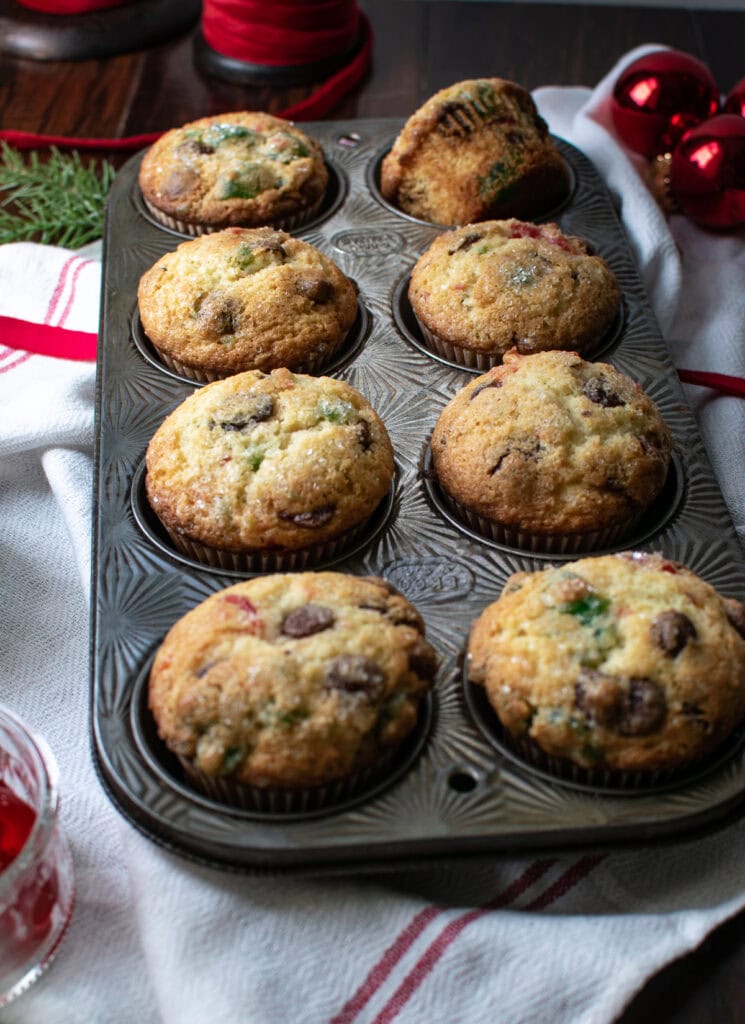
(307, 620)
(671, 631)
(529, 450)
(423, 660)
(736, 614)
(249, 410)
(271, 244)
(468, 240)
(316, 289)
(192, 147)
(316, 517)
(179, 182)
(354, 673)
(599, 391)
(364, 436)
(493, 383)
(645, 708)
(217, 315)
(600, 696)
(632, 707)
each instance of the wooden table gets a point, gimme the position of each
(419, 48)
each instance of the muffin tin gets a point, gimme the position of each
(454, 789)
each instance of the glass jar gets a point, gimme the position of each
(37, 885)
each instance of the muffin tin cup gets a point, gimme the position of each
(270, 560)
(481, 362)
(289, 223)
(282, 800)
(596, 778)
(543, 543)
(310, 365)
(600, 779)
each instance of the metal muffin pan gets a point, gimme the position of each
(456, 790)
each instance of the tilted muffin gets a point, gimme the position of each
(291, 681)
(473, 151)
(242, 169)
(485, 288)
(627, 662)
(551, 452)
(245, 299)
(262, 465)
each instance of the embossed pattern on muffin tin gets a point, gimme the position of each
(460, 793)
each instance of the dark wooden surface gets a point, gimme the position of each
(419, 48)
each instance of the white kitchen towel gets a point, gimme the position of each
(566, 939)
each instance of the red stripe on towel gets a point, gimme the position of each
(406, 938)
(452, 930)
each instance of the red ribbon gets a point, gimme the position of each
(46, 340)
(718, 381)
(281, 33)
(71, 6)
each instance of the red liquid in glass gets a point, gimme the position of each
(16, 821)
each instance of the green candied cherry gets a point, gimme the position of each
(246, 183)
(216, 134)
(232, 758)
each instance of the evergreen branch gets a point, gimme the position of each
(58, 201)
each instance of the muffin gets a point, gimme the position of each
(475, 151)
(623, 663)
(263, 471)
(241, 169)
(291, 688)
(550, 452)
(245, 299)
(485, 288)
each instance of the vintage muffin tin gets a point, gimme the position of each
(454, 790)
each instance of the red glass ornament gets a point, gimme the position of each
(659, 97)
(707, 172)
(735, 101)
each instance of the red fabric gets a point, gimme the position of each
(281, 33)
(46, 340)
(71, 6)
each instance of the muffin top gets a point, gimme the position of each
(292, 679)
(553, 444)
(627, 661)
(244, 299)
(473, 151)
(509, 284)
(260, 461)
(241, 168)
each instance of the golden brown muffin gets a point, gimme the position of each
(485, 288)
(242, 169)
(628, 661)
(293, 680)
(474, 151)
(552, 445)
(245, 299)
(268, 462)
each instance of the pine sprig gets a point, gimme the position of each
(58, 201)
